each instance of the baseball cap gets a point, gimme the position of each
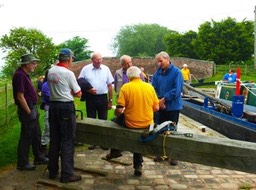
(66, 52)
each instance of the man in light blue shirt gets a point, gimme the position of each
(99, 99)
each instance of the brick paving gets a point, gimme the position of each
(156, 176)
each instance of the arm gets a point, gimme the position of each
(23, 102)
(119, 110)
(110, 95)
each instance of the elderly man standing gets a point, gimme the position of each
(120, 76)
(136, 104)
(99, 98)
(168, 83)
(25, 98)
(62, 118)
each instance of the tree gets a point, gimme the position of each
(140, 40)
(225, 41)
(78, 46)
(181, 45)
(21, 41)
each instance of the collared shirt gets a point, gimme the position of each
(62, 84)
(169, 84)
(99, 78)
(21, 82)
(139, 98)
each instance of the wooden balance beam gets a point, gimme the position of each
(211, 151)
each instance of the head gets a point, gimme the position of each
(66, 56)
(133, 72)
(28, 62)
(185, 66)
(96, 58)
(231, 71)
(163, 60)
(126, 61)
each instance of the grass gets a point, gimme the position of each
(10, 136)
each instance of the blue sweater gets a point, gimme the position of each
(169, 85)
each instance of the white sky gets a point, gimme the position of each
(100, 20)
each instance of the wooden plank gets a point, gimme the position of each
(218, 152)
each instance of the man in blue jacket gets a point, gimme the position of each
(168, 84)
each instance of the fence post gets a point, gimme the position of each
(6, 104)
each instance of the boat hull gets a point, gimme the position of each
(229, 126)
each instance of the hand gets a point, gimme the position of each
(92, 91)
(162, 104)
(109, 105)
(33, 114)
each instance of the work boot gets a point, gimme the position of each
(91, 147)
(173, 162)
(72, 178)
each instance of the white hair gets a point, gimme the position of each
(133, 72)
(124, 58)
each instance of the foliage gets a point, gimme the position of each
(21, 41)
(181, 45)
(225, 41)
(79, 46)
(140, 40)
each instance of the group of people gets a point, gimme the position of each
(138, 104)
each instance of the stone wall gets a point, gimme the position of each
(199, 68)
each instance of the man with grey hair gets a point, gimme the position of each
(167, 82)
(120, 76)
(25, 98)
(136, 103)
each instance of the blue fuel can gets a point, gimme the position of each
(237, 105)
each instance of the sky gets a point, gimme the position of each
(99, 21)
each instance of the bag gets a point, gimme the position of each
(42, 106)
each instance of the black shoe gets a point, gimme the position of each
(104, 148)
(72, 178)
(27, 167)
(173, 162)
(91, 147)
(138, 171)
(42, 161)
(113, 155)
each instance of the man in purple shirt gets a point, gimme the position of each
(120, 76)
(25, 98)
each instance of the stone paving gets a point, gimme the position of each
(156, 176)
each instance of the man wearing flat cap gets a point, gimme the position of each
(25, 98)
(62, 119)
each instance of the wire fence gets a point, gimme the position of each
(7, 105)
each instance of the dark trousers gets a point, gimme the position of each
(162, 116)
(30, 135)
(62, 122)
(97, 106)
(137, 157)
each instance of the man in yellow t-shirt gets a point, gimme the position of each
(136, 104)
(186, 77)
